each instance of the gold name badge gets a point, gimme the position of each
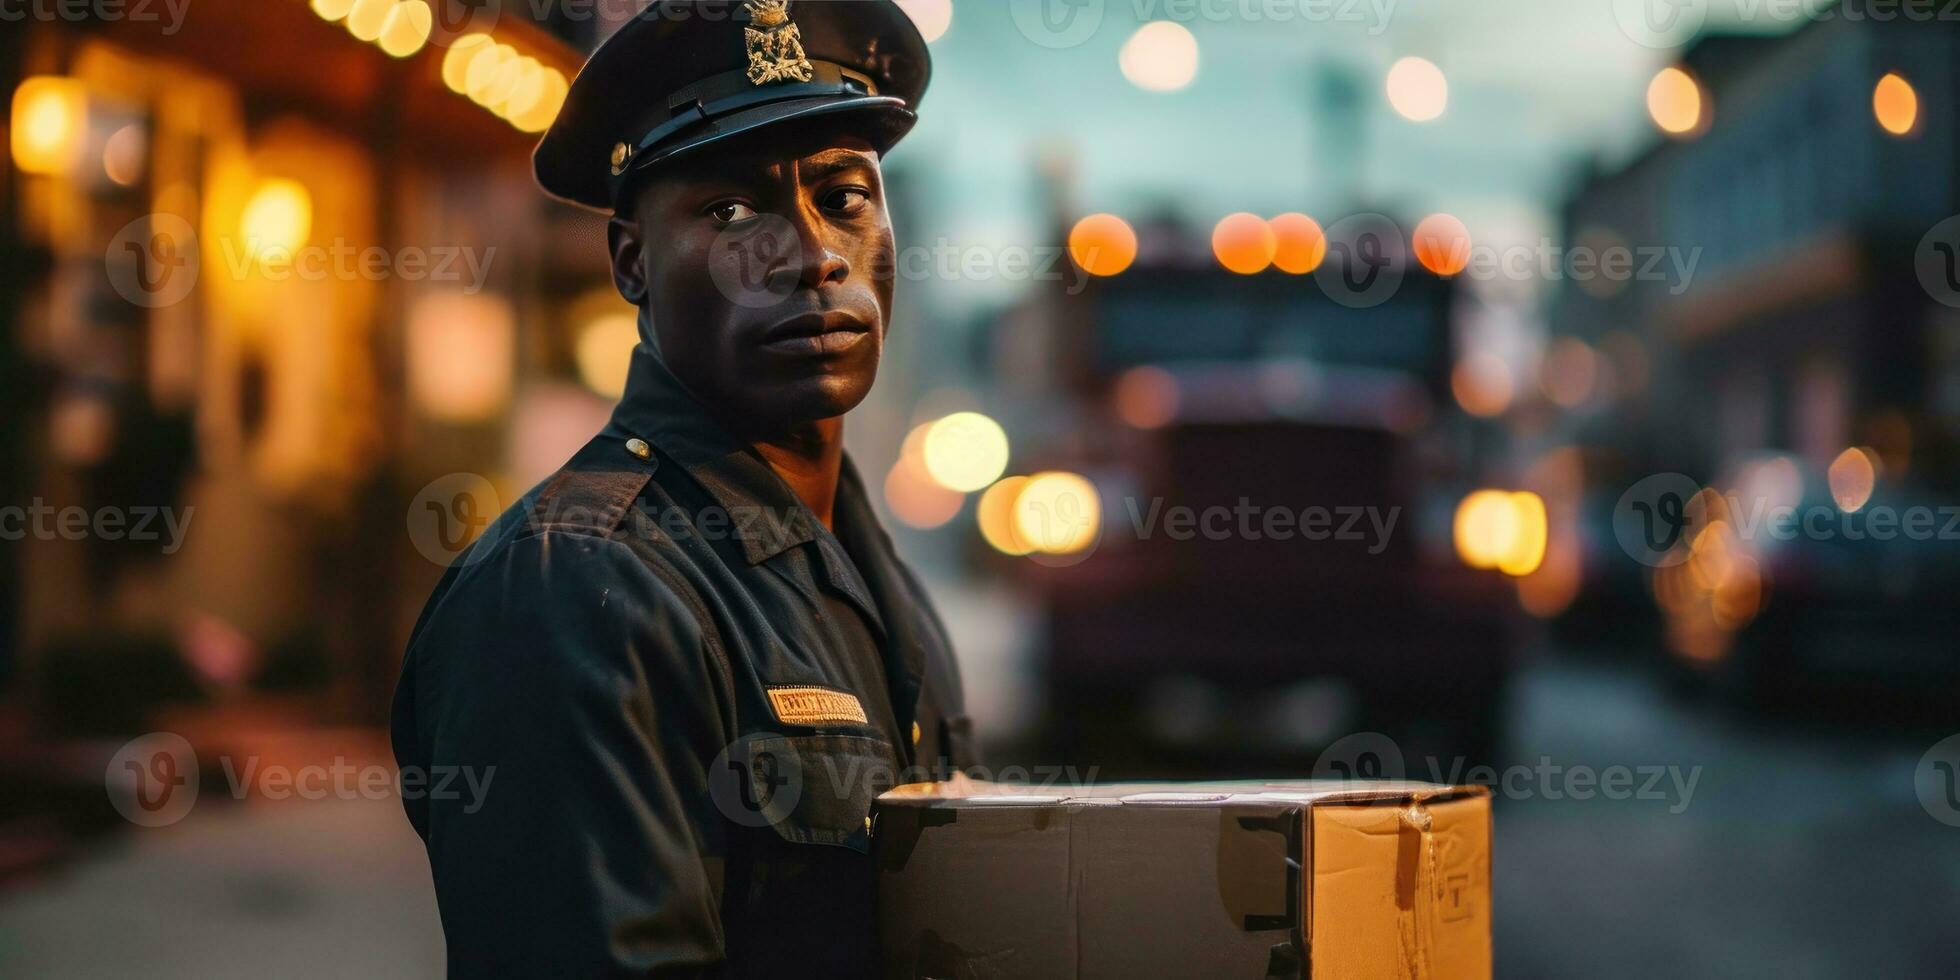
(815, 706)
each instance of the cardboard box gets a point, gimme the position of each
(1323, 880)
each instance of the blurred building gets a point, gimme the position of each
(275, 292)
(1791, 298)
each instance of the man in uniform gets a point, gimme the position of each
(691, 656)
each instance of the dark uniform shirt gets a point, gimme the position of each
(690, 691)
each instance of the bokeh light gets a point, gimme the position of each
(332, 9)
(1057, 513)
(367, 18)
(1162, 56)
(965, 451)
(1482, 384)
(406, 28)
(1503, 530)
(1102, 244)
(277, 219)
(1568, 372)
(995, 515)
(1300, 244)
(604, 351)
(125, 153)
(1674, 101)
(456, 61)
(1145, 397)
(1895, 105)
(1417, 90)
(1442, 244)
(50, 119)
(912, 494)
(931, 17)
(1853, 476)
(1244, 243)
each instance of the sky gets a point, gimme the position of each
(1536, 88)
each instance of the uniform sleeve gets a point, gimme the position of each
(570, 686)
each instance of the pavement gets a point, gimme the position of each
(1757, 851)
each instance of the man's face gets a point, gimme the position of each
(765, 268)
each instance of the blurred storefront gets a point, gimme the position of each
(257, 296)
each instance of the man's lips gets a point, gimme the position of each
(827, 332)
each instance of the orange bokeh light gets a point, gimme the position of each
(1244, 243)
(1895, 104)
(1301, 244)
(1442, 244)
(1102, 244)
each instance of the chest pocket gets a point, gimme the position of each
(820, 787)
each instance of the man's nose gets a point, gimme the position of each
(813, 259)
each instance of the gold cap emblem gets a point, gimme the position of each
(775, 45)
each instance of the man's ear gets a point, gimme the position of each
(629, 269)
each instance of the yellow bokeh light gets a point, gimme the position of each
(1895, 105)
(915, 499)
(1244, 243)
(1057, 513)
(1102, 244)
(1300, 244)
(50, 120)
(485, 68)
(406, 29)
(965, 451)
(551, 97)
(460, 354)
(525, 89)
(1442, 244)
(1674, 100)
(931, 17)
(456, 61)
(510, 71)
(332, 9)
(276, 220)
(604, 350)
(367, 17)
(996, 516)
(1162, 56)
(1853, 476)
(1417, 89)
(1501, 530)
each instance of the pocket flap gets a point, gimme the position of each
(819, 788)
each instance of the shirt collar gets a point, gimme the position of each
(770, 518)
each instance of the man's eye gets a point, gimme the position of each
(729, 212)
(847, 200)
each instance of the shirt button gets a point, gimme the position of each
(639, 447)
(915, 733)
